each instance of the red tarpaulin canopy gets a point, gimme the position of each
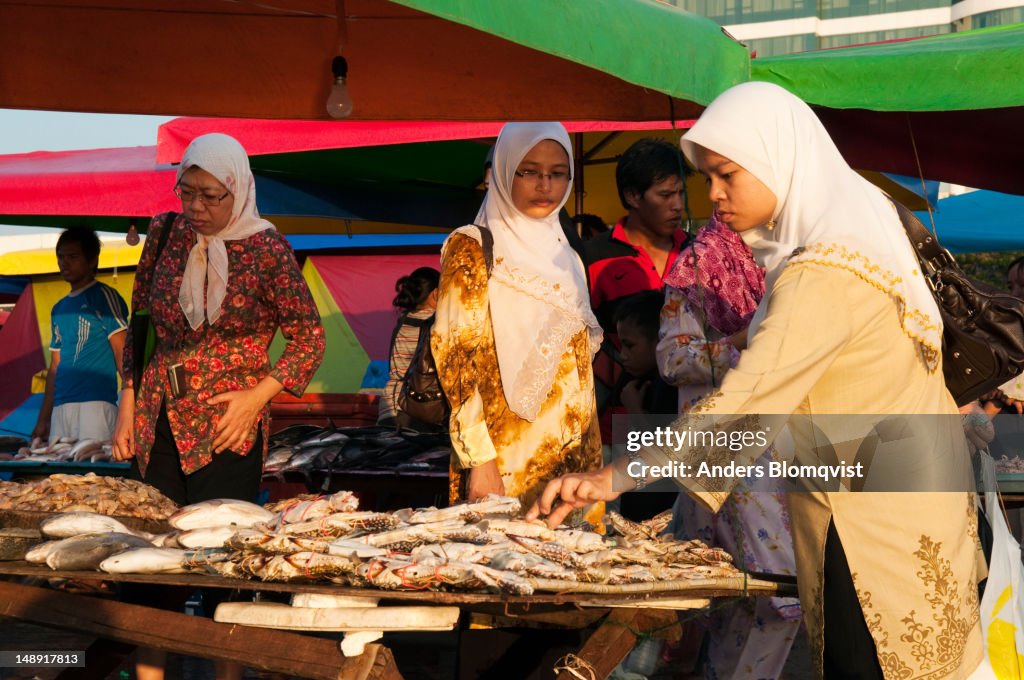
(288, 136)
(107, 182)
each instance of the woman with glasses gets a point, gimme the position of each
(514, 342)
(224, 282)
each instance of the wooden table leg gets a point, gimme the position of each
(614, 639)
(265, 649)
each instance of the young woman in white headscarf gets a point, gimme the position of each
(223, 284)
(887, 580)
(514, 347)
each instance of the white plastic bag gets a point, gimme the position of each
(1002, 606)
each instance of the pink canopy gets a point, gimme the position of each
(103, 182)
(284, 136)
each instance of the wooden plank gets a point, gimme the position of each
(712, 588)
(573, 619)
(268, 650)
(614, 639)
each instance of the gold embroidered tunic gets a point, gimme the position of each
(832, 343)
(563, 438)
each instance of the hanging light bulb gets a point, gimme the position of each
(132, 237)
(339, 103)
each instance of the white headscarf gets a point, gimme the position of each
(836, 216)
(224, 158)
(538, 288)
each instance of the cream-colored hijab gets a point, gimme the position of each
(538, 288)
(206, 273)
(823, 207)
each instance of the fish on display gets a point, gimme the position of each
(86, 552)
(67, 524)
(146, 561)
(277, 457)
(301, 459)
(293, 434)
(327, 456)
(207, 537)
(219, 512)
(322, 439)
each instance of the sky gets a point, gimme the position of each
(24, 131)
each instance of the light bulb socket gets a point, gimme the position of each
(339, 67)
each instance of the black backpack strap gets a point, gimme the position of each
(487, 245)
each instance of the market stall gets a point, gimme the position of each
(356, 572)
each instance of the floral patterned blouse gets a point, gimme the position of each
(265, 292)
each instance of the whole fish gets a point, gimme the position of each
(37, 554)
(146, 561)
(68, 524)
(219, 512)
(327, 456)
(81, 553)
(293, 435)
(323, 439)
(302, 459)
(277, 457)
(207, 537)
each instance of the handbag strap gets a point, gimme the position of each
(162, 240)
(930, 253)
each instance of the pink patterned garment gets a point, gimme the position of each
(727, 285)
(265, 292)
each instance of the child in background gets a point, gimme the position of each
(637, 319)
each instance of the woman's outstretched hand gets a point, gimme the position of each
(574, 491)
(485, 479)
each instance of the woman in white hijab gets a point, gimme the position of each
(888, 581)
(514, 347)
(219, 289)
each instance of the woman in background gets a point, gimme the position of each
(417, 298)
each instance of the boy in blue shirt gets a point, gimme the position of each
(88, 327)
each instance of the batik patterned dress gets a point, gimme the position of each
(265, 292)
(563, 438)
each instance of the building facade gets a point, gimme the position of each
(770, 27)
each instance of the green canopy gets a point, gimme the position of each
(654, 45)
(981, 69)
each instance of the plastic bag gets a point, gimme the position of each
(1002, 606)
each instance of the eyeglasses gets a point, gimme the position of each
(557, 177)
(188, 195)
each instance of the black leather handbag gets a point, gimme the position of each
(421, 397)
(982, 327)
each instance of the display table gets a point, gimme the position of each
(621, 618)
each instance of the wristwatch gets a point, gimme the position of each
(635, 457)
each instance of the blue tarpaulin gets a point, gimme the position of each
(979, 222)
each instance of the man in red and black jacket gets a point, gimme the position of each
(637, 253)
